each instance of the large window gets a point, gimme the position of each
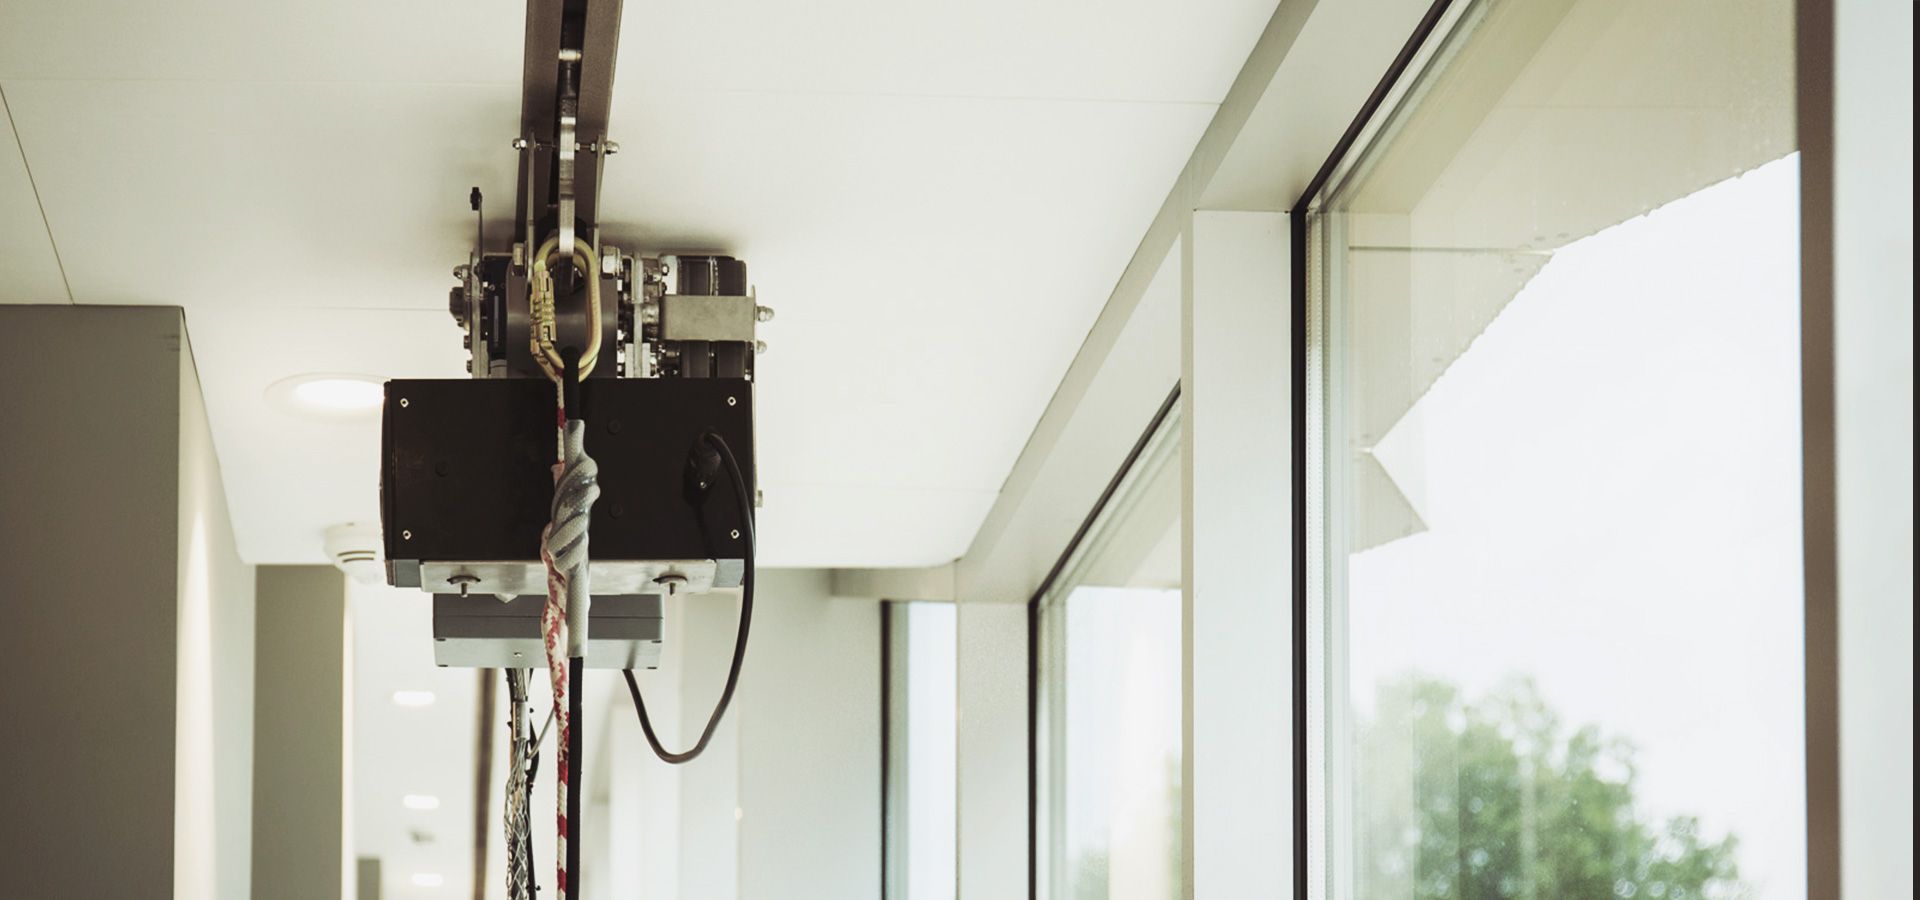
(1108, 705)
(1554, 529)
(922, 652)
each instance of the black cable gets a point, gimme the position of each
(576, 675)
(570, 382)
(533, 768)
(575, 717)
(740, 639)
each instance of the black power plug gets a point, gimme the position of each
(703, 469)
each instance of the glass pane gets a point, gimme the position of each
(1110, 705)
(1558, 314)
(922, 717)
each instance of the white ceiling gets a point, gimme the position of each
(937, 198)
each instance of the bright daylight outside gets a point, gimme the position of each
(1110, 697)
(1559, 617)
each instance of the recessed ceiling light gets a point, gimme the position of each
(420, 801)
(328, 395)
(413, 698)
(338, 393)
(428, 879)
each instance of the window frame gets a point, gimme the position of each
(1427, 35)
(1169, 407)
(1306, 247)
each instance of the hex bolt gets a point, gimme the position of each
(763, 313)
(519, 143)
(759, 347)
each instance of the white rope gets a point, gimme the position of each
(563, 548)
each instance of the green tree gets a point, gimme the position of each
(1492, 799)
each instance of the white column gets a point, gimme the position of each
(301, 737)
(1872, 345)
(990, 782)
(1236, 546)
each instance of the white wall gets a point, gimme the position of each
(213, 768)
(809, 708)
(785, 802)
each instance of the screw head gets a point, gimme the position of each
(763, 313)
(731, 401)
(735, 534)
(403, 403)
(406, 535)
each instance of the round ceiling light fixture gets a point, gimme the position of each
(328, 395)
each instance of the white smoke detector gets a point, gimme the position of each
(355, 550)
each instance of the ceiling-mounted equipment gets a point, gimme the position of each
(355, 550)
(551, 546)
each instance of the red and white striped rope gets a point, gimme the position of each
(553, 634)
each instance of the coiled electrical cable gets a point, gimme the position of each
(745, 499)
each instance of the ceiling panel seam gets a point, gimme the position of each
(27, 165)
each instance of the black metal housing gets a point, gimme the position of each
(466, 470)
